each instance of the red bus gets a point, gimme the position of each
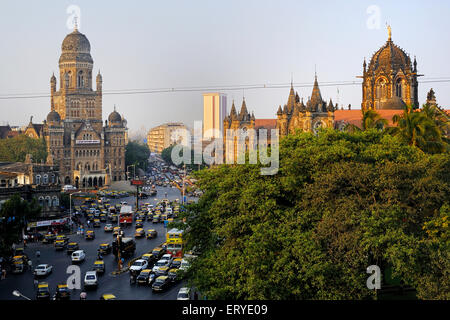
(126, 215)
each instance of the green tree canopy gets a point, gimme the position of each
(137, 154)
(340, 202)
(15, 149)
(14, 215)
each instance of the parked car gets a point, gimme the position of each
(43, 270)
(78, 256)
(90, 279)
(108, 227)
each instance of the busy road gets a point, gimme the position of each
(119, 285)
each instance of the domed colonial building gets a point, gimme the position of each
(89, 153)
(390, 80)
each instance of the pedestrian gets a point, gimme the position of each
(3, 274)
(35, 281)
(38, 255)
(83, 295)
(30, 265)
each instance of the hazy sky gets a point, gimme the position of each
(193, 43)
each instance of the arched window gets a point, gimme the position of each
(53, 178)
(80, 79)
(45, 179)
(48, 201)
(55, 201)
(38, 179)
(41, 201)
(398, 88)
(381, 89)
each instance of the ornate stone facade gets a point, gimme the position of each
(390, 80)
(296, 115)
(231, 126)
(88, 153)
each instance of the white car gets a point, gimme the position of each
(138, 266)
(90, 279)
(160, 263)
(184, 294)
(43, 270)
(78, 256)
(68, 187)
(168, 257)
(184, 265)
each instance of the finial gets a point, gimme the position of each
(292, 79)
(389, 29)
(75, 23)
(114, 107)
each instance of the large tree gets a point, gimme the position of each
(339, 203)
(137, 154)
(16, 149)
(14, 215)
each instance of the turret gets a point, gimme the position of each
(99, 82)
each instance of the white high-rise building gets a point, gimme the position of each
(214, 112)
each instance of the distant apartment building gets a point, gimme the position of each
(214, 112)
(161, 137)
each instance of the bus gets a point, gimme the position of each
(175, 242)
(126, 215)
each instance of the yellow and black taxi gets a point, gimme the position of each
(62, 237)
(43, 291)
(90, 216)
(164, 217)
(156, 218)
(99, 266)
(161, 283)
(162, 271)
(172, 274)
(49, 238)
(19, 264)
(114, 217)
(148, 257)
(176, 263)
(116, 231)
(103, 217)
(108, 296)
(96, 223)
(105, 248)
(62, 292)
(151, 234)
(144, 277)
(157, 253)
(139, 233)
(72, 247)
(60, 244)
(90, 235)
(139, 223)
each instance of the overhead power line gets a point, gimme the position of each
(211, 88)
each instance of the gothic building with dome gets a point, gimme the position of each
(390, 79)
(88, 152)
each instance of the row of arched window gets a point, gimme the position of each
(87, 153)
(48, 201)
(381, 89)
(87, 166)
(45, 179)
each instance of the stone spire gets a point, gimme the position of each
(233, 114)
(316, 97)
(243, 115)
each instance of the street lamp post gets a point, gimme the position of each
(70, 206)
(18, 294)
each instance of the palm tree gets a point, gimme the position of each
(418, 130)
(370, 120)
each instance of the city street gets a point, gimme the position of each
(118, 285)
